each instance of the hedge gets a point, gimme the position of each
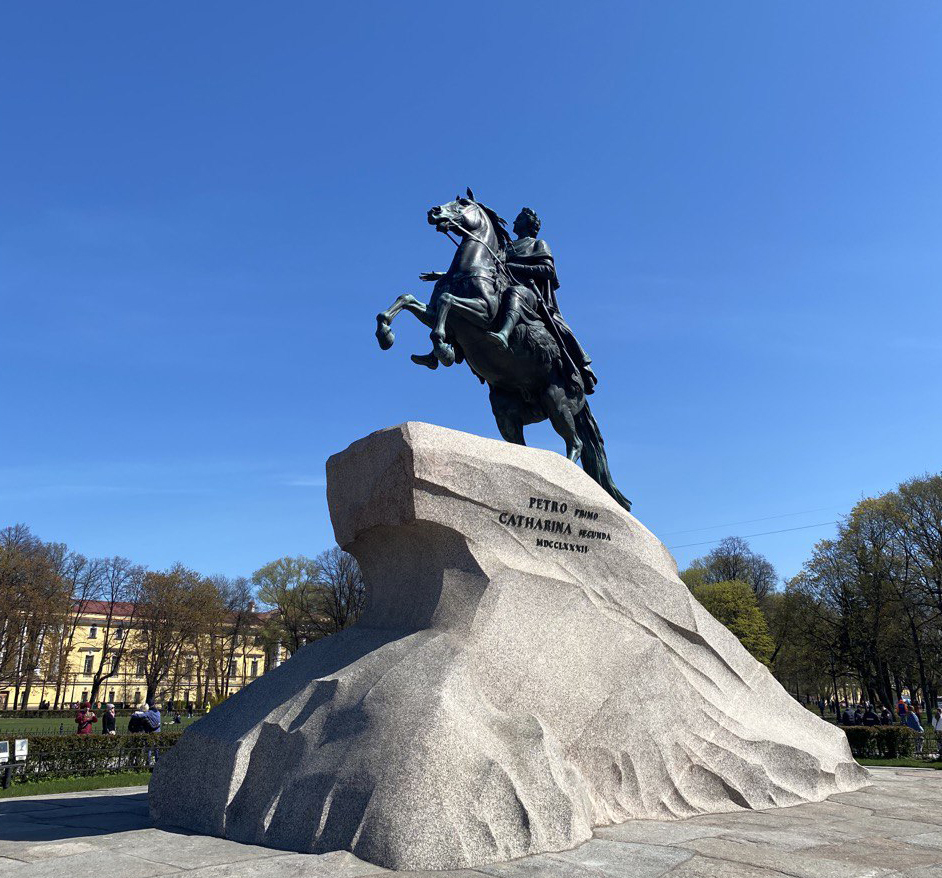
(68, 713)
(73, 755)
(881, 742)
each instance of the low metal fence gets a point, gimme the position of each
(82, 755)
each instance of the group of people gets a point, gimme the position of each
(144, 720)
(907, 714)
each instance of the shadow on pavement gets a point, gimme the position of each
(57, 818)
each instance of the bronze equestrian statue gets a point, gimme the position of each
(496, 309)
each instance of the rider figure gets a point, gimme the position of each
(530, 262)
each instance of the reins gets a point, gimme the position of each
(499, 263)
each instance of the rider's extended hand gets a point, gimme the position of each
(431, 275)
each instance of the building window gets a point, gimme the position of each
(233, 668)
(254, 667)
(141, 668)
(111, 699)
(84, 695)
(119, 633)
(89, 659)
(188, 669)
(137, 697)
(114, 663)
(93, 632)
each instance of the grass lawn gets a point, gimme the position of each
(76, 784)
(906, 762)
(12, 727)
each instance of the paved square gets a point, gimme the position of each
(893, 828)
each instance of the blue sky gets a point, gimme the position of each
(204, 205)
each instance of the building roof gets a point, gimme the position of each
(124, 609)
(101, 608)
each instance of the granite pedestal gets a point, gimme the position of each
(529, 667)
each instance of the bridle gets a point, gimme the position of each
(499, 263)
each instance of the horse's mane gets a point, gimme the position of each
(499, 224)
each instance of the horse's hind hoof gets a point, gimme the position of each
(385, 336)
(425, 360)
(445, 354)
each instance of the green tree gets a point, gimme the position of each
(734, 604)
(311, 598)
(290, 586)
(733, 560)
(695, 575)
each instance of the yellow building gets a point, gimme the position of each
(198, 673)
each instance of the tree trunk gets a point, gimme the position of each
(837, 704)
(924, 684)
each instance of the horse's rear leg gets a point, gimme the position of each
(559, 407)
(509, 417)
(408, 302)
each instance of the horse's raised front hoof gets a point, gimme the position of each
(429, 360)
(445, 353)
(384, 335)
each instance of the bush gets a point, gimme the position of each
(881, 742)
(73, 755)
(54, 714)
(894, 742)
(863, 743)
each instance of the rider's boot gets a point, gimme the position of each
(429, 360)
(502, 337)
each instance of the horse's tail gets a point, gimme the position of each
(594, 459)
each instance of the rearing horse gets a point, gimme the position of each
(528, 382)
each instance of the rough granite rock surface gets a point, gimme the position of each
(513, 683)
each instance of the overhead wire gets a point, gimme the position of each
(763, 534)
(692, 530)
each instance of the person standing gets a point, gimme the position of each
(109, 723)
(870, 717)
(912, 720)
(886, 718)
(84, 719)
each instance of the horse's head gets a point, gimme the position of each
(466, 215)
(461, 215)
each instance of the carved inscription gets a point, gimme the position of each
(553, 520)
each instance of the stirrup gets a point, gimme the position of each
(496, 338)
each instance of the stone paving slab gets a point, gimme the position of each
(892, 829)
